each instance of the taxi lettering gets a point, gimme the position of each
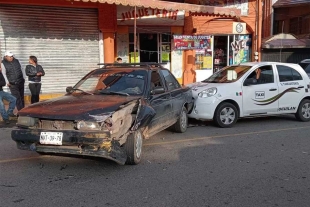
(287, 108)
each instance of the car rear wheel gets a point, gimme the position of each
(303, 111)
(181, 125)
(226, 115)
(133, 148)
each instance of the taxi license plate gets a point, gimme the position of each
(52, 138)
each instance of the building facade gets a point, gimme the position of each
(286, 31)
(193, 38)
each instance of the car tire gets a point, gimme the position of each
(226, 115)
(181, 125)
(133, 147)
(303, 111)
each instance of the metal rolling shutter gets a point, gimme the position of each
(65, 41)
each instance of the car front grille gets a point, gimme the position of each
(56, 125)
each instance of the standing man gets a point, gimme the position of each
(8, 97)
(14, 77)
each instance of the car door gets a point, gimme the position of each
(160, 102)
(291, 88)
(176, 94)
(261, 97)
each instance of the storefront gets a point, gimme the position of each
(214, 52)
(65, 41)
(154, 29)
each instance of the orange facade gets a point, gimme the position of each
(199, 24)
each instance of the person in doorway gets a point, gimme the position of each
(9, 98)
(119, 60)
(14, 77)
(34, 71)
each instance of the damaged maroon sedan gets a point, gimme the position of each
(106, 114)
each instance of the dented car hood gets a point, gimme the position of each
(76, 107)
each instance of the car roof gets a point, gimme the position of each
(141, 66)
(265, 63)
(305, 61)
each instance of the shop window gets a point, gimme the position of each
(287, 73)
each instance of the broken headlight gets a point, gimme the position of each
(26, 121)
(87, 125)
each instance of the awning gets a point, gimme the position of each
(173, 6)
(287, 43)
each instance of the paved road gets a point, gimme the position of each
(259, 162)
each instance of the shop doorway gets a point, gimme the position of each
(148, 47)
(220, 52)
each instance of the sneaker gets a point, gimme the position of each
(6, 121)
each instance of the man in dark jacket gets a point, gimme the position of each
(8, 97)
(14, 77)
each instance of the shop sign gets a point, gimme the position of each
(149, 16)
(191, 42)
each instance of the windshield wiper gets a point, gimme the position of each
(114, 92)
(206, 81)
(76, 89)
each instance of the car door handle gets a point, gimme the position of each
(272, 89)
(301, 86)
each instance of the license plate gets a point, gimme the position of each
(53, 138)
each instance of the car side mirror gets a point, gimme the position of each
(250, 81)
(69, 89)
(158, 90)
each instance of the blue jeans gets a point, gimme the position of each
(12, 103)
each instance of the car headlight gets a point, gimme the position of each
(208, 93)
(26, 121)
(87, 125)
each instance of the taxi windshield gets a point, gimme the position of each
(114, 81)
(228, 74)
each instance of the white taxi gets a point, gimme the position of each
(252, 89)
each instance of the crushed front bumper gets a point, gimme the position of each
(83, 143)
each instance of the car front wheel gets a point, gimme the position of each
(226, 115)
(303, 112)
(133, 147)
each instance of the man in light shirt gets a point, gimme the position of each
(14, 76)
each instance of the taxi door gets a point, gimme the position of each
(291, 88)
(260, 97)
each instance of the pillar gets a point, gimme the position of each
(189, 75)
(108, 26)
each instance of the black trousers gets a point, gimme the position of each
(17, 90)
(35, 89)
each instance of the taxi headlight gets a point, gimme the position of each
(26, 121)
(87, 125)
(208, 93)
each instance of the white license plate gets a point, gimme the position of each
(53, 138)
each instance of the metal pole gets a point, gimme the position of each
(135, 34)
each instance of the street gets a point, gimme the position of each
(258, 162)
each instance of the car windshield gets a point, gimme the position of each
(114, 82)
(228, 74)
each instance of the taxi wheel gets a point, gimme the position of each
(303, 111)
(226, 115)
(133, 148)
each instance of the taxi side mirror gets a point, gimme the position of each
(250, 81)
